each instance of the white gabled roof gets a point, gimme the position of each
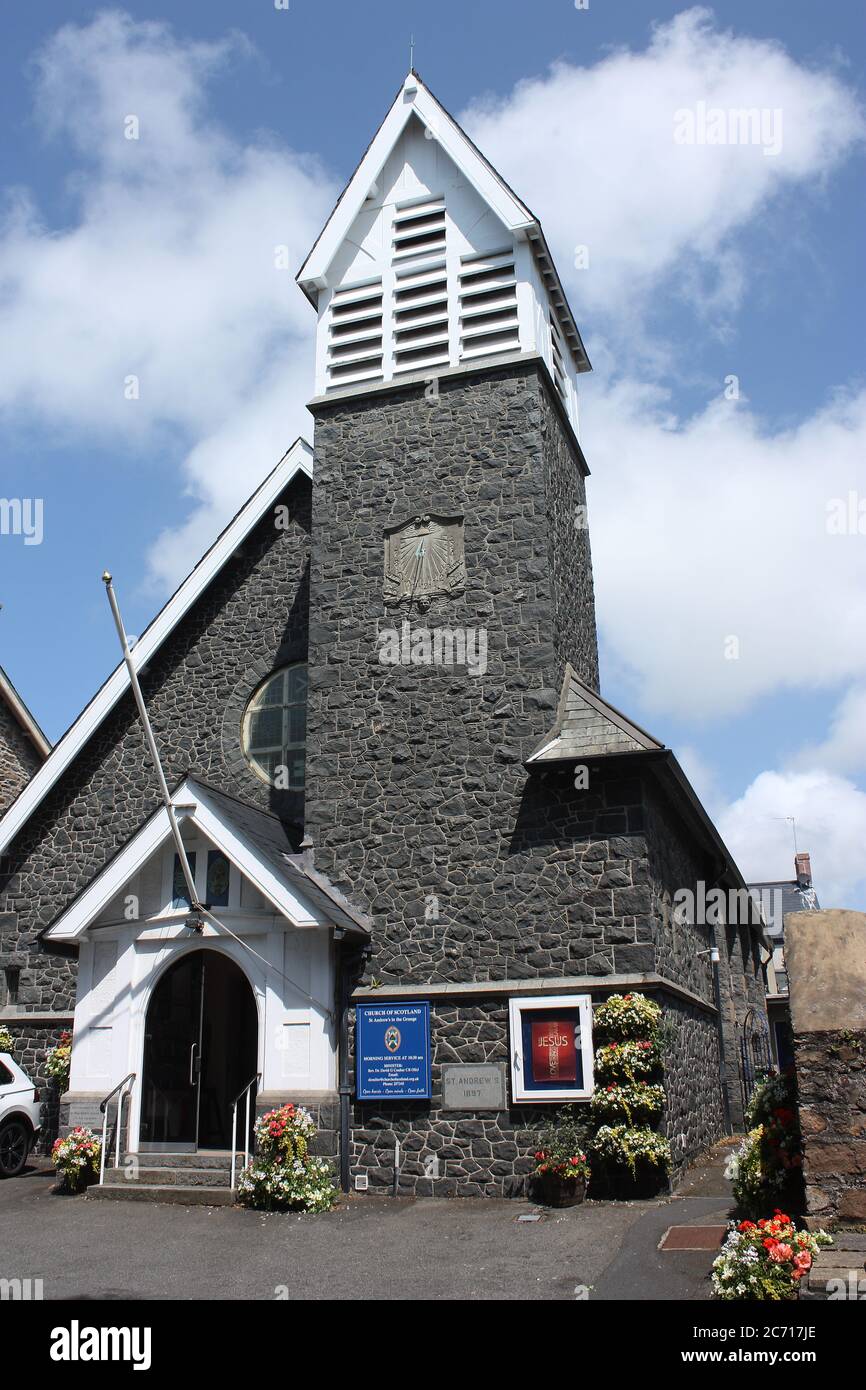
(205, 813)
(412, 99)
(299, 458)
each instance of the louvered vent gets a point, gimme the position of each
(556, 357)
(420, 318)
(488, 305)
(419, 230)
(355, 335)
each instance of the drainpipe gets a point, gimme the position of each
(714, 956)
(351, 963)
(726, 1104)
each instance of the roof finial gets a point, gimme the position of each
(411, 52)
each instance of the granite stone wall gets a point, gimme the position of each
(18, 757)
(252, 618)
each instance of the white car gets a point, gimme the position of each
(20, 1117)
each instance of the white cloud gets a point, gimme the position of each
(830, 814)
(844, 749)
(167, 271)
(592, 151)
(709, 529)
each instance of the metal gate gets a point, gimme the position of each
(756, 1059)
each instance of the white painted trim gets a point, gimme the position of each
(554, 1002)
(298, 459)
(415, 98)
(148, 840)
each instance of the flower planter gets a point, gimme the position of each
(551, 1191)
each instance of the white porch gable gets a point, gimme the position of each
(278, 927)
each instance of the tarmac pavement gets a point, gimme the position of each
(367, 1248)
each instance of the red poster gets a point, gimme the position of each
(554, 1056)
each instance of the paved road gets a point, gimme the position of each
(367, 1248)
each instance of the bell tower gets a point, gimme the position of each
(451, 579)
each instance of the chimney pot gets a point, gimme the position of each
(803, 870)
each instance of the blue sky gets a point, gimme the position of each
(708, 514)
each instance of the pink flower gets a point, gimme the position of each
(803, 1261)
(780, 1253)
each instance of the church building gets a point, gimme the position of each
(426, 842)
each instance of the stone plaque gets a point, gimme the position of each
(473, 1087)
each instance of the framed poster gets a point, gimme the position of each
(392, 1048)
(551, 1047)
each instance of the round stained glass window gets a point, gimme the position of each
(274, 728)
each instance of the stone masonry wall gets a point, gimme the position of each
(831, 1089)
(18, 757)
(831, 1083)
(251, 618)
(449, 1153)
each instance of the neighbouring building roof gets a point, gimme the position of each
(298, 459)
(14, 703)
(781, 896)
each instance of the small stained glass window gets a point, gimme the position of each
(274, 728)
(179, 892)
(218, 873)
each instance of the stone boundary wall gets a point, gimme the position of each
(825, 953)
(831, 1082)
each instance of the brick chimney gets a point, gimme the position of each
(803, 870)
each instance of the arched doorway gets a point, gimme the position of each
(200, 1048)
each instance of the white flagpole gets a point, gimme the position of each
(194, 903)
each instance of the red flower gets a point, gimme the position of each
(746, 1226)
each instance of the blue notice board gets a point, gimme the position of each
(392, 1045)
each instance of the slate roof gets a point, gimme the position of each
(588, 726)
(267, 833)
(793, 899)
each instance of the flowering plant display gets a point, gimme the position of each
(628, 1146)
(765, 1260)
(633, 1102)
(561, 1150)
(283, 1174)
(5, 1039)
(624, 1016)
(76, 1158)
(58, 1061)
(767, 1165)
(627, 1061)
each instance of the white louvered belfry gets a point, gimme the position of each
(429, 262)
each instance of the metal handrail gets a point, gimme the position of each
(252, 1081)
(103, 1105)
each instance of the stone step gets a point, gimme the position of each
(175, 1177)
(209, 1158)
(163, 1192)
